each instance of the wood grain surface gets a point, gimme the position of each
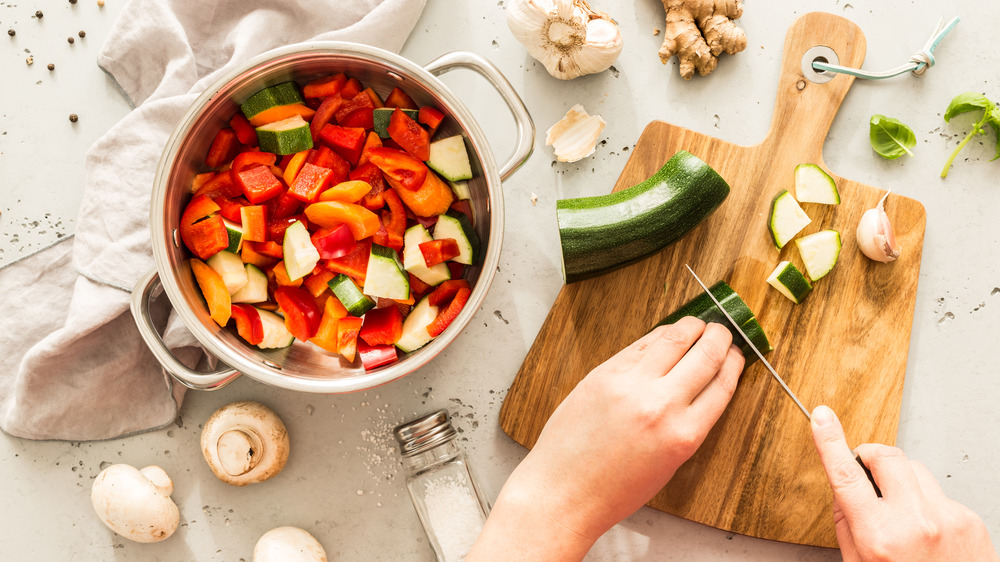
(757, 473)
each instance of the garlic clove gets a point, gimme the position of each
(574, 137)
(567, 36)
(875, 236)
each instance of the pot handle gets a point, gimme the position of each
(192, 379)
(525, 126)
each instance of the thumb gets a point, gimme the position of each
(851, 489)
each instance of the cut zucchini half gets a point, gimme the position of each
(415, 334)
(385, 276)
(813, 185)
(230, 267)
(288, 136)
(413, 258)
(702, 307)
(450, 159)
(458, 226)
(235, 234)
(276, 335)
(461, 190)
(789, 281)
(286, 93)
(819, 252)
(350, 295)
(787, 219)
(256, 288)
(603, 233)
(298, 251)
(381, 116)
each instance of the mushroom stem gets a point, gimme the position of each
(244, 443)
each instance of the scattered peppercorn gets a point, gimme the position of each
(72, 116)
(100, 3)
(70, 39)
(38, 14)
(72, 1)
(30, 60)
(11, 32)
(51, 66)
(82, 34)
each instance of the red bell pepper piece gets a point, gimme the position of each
(324, 87)
(347, 142)
(373, 356)
(270, 248)
(381, 237)
(223, 148)
(333, 242)
(200, 180)
(230, 208)
(354, 264)
(310, 182)
(457, 269)
(372, 141)
(410, 135)
(326, 158)
(245, 132)
(417, 287)
(383, 326)
(282, 206)
(324, 113)
(214, 290)
(430, 116)
(439, 251)
(248, 323)
(399, 166)
(465, 207)
(352, 88)
(368, 172)
(302, 316)
(222, 185)
(395, 226)
(357, 112)
(253, 218)
(376, 101)
(445, 291)
(448, 315)
(252, 158)
(399, 98)
(347, 336)
(276, 227)
(259, 184)
(202, 229)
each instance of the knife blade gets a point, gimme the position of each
(774, 373)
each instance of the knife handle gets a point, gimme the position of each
(868, 473)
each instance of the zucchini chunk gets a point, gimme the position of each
(813, 185)
(819, 252)
(787, 219)
(789, 281)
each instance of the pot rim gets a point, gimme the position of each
(162, 237)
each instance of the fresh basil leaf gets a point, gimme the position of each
(964, 103)
(993, 119)
(890, 138)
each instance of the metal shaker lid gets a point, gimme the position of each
(423, 433)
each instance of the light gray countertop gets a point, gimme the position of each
(343, 482)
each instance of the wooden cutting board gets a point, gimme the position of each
(757, 473)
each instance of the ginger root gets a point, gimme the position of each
(698, 31)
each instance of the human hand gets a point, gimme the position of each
(912, 521)
(615, 441)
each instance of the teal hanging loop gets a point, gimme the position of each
(918, 63)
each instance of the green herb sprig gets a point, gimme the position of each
(973, 101)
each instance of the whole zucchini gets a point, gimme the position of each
(603, 233)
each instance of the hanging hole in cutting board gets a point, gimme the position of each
(819, 53)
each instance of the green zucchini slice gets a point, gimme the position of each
(284, 137)
(789, 281)
(286, 93)
(819, 252)
(787, 219)
(813, 185)
(381, 116)
(604, 233)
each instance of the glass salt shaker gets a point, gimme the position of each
(451, 507)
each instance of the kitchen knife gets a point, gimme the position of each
(770, 369)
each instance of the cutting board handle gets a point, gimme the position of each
(805, 109)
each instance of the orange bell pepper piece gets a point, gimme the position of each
(294, 165)
(326, 336)
(433, 198)
(214, 290)
(350, 191)
(362, 222)
(281, 276)
(280, 113)
(347, 336)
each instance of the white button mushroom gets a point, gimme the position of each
(288, 544)
(136, 504)
(244, 443)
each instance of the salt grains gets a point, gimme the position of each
(454, 514)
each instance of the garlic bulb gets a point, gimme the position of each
(574, 136)
(567, 36)
(875, 236)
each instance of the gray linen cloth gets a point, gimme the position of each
(72, 363)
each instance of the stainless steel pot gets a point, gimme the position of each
(303, 366)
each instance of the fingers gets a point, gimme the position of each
(713, 400)
(851, 488)
(658, 351)
(928, 484)
(701, 364)
(845, 537)
(890, 468)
